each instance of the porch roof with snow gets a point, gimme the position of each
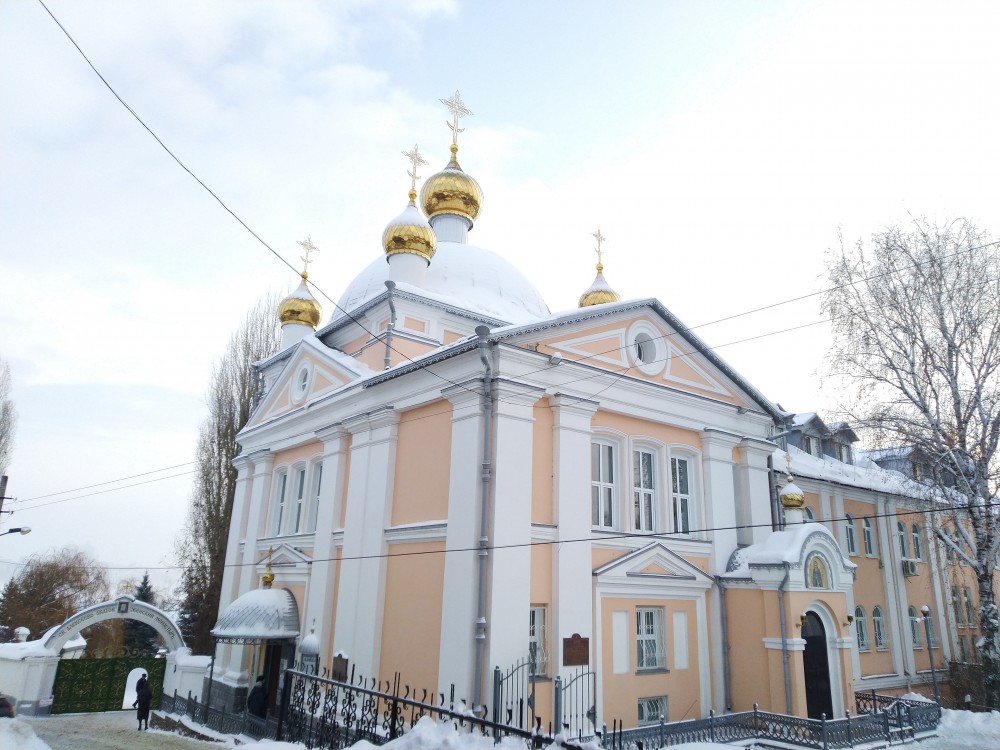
(259, 615)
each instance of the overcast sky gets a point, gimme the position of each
(719, 146)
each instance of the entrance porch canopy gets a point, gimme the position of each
(257, 616)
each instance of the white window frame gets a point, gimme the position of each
(280, 490)
(650, 710)
(807, 513)
(861, 629)
(538, 639)
(604, 488)
(852, 535)
(316, 483)
(918, 548)
(645, 500)
(843, 453)
(650, 646)
(681, 501)
(956, 607)
(904, 552)
(812, 446)
(916, 623)
(869, 537)
(970, 610)
(300, 498)
(878, 629)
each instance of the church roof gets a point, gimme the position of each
(259, 615)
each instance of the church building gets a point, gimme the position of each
(446, 480)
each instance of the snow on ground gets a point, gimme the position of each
(16, 734)
(964, 729)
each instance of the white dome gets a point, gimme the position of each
(465, 276)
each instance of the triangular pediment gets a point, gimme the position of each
(285, 556)
(654, 562)
(313, 370)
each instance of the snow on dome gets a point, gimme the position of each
(309, 645)
(259, 614)
(466, 276)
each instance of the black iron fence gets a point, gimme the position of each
(225, 722)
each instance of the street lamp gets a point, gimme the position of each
(18, 530)
(926, 612)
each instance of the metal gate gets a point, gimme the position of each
(575, 704)
(84, 685)
(514, 695)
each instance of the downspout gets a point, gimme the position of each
(784, 642)
(773, 492)
(389, 285)
(727, 687)
(484, 506)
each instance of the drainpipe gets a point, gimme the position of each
(784, 642)
(390, 285)
(773, 491)
(728, 694)
(484, 506)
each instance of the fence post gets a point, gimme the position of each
(496, 703)
(756, 723)
(557, 708)
(885, 724)
(711, 724)
(874, 702)
(850, 734)
(661, 730)
(822, 718)
(604, 735)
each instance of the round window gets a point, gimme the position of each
(303, 382)
(645, 351)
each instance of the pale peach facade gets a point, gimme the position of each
(450, 480)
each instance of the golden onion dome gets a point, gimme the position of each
(791, 496)
(600, 292)
(410, 233)
(451, 191)
(300, 307)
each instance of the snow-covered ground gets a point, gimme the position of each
(959, 730)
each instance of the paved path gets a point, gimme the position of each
(114, 730)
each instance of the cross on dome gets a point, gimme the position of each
(600, 238)
(458, 109)
(310, 248)
(416, 160)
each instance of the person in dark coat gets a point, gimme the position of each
(257, 700)
(143, 699)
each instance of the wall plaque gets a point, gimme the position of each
(576, 651)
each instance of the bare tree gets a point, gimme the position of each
(202, 550)
(916, 321)
(8, 417)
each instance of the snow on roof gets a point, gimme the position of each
(784, 546)
(37, 647)
(864, 473)
(258, 615)
(878, 454)
(464, 276)
(804, 418)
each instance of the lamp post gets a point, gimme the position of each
(926, 612)
(18, 530)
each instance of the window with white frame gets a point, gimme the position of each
(917, 547)
(956, 606)
(844, 453)
(538, 651)
(970, 611)
(901, 538)
(280, 485)
(861, 629)
(963, 649)
(878, 628)
(651, 710)
(680, 484)
(643, 489)
(317, 485)
(602, 485)
(807, 512)
(649, 646)
(916, 626)
(852, 535)
(811, 445)
(869, 535)
(932, 638)
(300, 498)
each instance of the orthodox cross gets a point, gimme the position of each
(600, 238)
(416, 160)
(458, 109)
(310, 248)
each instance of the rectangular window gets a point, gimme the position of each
(279, 501)
(869, 538)
(643, 490)
(649, 648)
(651, 710)
(956, 605)
(852, 538)
(681, 486)
(970, 611)
(878, 626)
(963, 649)
(811, 445)
(844, 453)
(602, 485)
(300, 494)
(538, 651)
(317, 486)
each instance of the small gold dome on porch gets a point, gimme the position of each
(791, 496)
(300, 307)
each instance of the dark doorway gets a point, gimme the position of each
(278, 656)
(816, 665)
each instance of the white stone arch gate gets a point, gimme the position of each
(28, 670)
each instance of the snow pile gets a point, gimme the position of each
(18, 735)
(967, 729)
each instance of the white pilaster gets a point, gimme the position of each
(756, 490)
(572, 563)
(361, 594)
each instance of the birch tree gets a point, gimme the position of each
(202, 549)
(916, 321)
(8, 417)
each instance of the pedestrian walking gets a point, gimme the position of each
(143, 699)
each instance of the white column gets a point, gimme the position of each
(572, 560)
(237, 530)
(460, 603)
(321, 574)
(510, 569)
(361, 594)
(756, 489)
(895, 586)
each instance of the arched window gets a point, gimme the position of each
(603, 457)
(861, 629)
(917, 549)
(901, 538)
(852, 535)
(878, 626)
(682, 493)
(808, 513)
(869, 537)
(916, 628)
(317, 484)
(817, 573)
(281, 480)
(644, 489)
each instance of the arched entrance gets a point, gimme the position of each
(81, 685)
(816, 665)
